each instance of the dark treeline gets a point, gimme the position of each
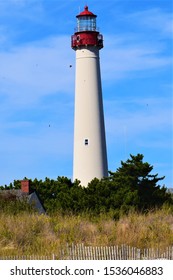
(131, 187)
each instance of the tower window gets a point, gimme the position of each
(86, 141)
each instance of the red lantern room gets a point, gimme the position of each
(86, 31)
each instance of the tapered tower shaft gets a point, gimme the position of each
(90, 157)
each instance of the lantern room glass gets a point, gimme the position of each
(86, 23)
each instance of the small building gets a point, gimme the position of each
(27, 193)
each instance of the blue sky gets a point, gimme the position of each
(37, 84)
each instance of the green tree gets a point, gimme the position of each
(141, 188)
(131, 186)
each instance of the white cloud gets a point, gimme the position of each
(42, 68)
(121, 58)
(38, 69)
(153, 19)
(150, 117)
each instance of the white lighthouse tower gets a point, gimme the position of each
(90, 156)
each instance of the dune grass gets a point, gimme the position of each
(28, 234)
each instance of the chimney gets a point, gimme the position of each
(25, 186)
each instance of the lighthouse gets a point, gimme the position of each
(90, 156)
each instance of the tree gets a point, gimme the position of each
(134, 176)
(131, 186)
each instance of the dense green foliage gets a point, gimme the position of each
(130, 187)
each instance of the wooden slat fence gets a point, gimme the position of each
(82, 252)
